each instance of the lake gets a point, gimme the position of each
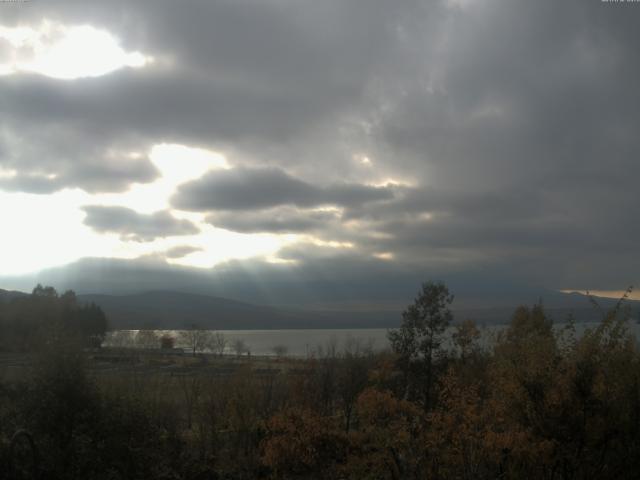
(298, 343)
(307, 342)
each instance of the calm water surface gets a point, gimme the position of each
(309, 342)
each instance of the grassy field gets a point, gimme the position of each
(109, 362)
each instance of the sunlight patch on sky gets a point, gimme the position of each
(5, 173)
(330, 243)
(47, 231)
(177, 164)
(64, 52)
(180, 163)
(273, 259)
(391, 181)
(617, 294)
(221, 245)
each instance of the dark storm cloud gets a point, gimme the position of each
(277, 220)
(259, 188)
(526, 126)
(516, 124)
(50, 154)
(233, 75)
(531, 99)
(132, 225)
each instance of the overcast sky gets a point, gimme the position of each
(497, 140)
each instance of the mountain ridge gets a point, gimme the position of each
(174, 309)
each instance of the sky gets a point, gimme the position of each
(490, 143)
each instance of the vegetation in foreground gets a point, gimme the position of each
(539, 404)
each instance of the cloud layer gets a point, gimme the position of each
(135, 226)
(498, 136)
(259, 188)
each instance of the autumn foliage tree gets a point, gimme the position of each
(302, 442)
(538, 401)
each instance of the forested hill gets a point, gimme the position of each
(44, 317)
(6, 295)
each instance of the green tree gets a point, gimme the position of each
(418, 340)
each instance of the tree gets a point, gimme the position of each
(196, 339)
(389, 441)
(120, 339)
(239, 346)
(89, 321)
(529, 323)
(29, 321)
(465, 337)
(417, 342)
(217, 343)
(279, 350)
(147, 339)
(353, 375)
(167, 342)
(44, 292)
(62, 400)
(300, 443)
